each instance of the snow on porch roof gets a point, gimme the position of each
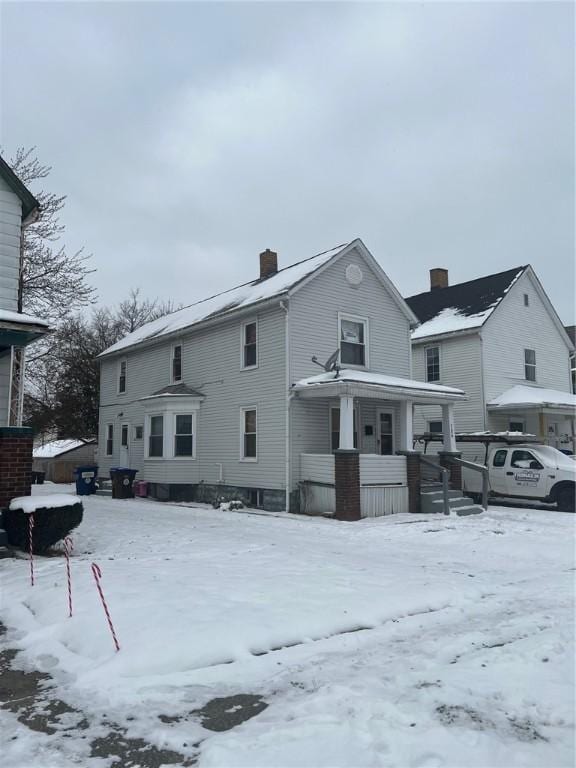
(7, 316)
(522, 396)
(405, 388)
(228, 301)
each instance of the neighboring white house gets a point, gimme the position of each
(223, 397)
(500, 339)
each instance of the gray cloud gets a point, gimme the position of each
(191, 136)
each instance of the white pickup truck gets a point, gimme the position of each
(530, 471)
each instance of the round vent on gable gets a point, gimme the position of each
(354, 275)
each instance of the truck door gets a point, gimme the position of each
(497, 471)
(526, 476)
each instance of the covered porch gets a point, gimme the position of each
(356, 458)
(548, 414)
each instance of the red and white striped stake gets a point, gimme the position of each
(68, 547)
(97, 576)
(31, 547)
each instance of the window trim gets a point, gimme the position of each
(243, 410)
(435, 421)
(355, 319)
(127, 425)
(172, 358)
(149, 417)
(135, 429)
(173, 435)
(119, 391)
(439, 379)
(528, 365)
(243, 325)
(392, 413)
(109, 439)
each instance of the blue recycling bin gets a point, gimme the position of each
(122, 479)
(86, 479)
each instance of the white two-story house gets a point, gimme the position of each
(222, 398)
(499, 338)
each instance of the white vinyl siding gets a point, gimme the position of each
(10, 234)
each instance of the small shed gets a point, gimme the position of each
(58, 458)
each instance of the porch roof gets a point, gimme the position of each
(377, 386)
(522, 397)
(18, 329)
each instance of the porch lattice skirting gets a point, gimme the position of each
(381, 484)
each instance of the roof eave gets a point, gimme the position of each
(389, 392)
(449, 335)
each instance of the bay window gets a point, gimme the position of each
(156, 436)
(184, 435)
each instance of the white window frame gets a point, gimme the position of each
(172, 379)
(355, 319)
(149, 417)
(358, 432)
(435, 421)
(183, 412)
(124, 362)
(433, 381)
(135, 433)
(243, 410)
(251, 321)
(529, 365)
(108, 425)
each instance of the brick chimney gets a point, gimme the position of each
(438, 278)
(268, 263)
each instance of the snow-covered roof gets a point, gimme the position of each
(57, 448)
(460, 307)
(228, 301)
(348, 376)
(7, 316)
(522, 396)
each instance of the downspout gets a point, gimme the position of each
(287, 409)
(483, 384)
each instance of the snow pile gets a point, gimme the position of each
(409, 640)
(55, 448)
(348, 375)
(522, 395)
(235, 298)
(31, 504)
(451, 320)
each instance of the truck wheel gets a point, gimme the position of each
(565, 498)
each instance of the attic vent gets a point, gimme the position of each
(354, 275)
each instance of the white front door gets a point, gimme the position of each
(125, 445)
(385, 433)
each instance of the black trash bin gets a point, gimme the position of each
(38, 478)
(122, 479)
(86, 479)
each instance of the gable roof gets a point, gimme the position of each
(461, 307)
(281, 283)
(29, 202)
(58, 447)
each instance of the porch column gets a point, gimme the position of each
(346, 422)
(406, 428)
(448, 428)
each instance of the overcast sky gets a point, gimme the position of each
(191, 136)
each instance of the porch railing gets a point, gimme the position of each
(445, 475)
(476, 468)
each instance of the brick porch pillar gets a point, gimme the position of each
(454, 469)
(413, 478)
(15, 463)
(347, 482)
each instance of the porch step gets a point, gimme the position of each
(433, 502)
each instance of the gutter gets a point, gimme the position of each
(288, 396)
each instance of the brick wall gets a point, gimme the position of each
(413, 479)
(15, 463)
(347, 483)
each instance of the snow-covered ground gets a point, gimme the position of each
(406, 641)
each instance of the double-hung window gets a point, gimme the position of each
(248, 437)
(184, 435)
(250, 344)
(156, 436)
(122, 377)
(530, 364)
(109, 439)
(177, 363)
(353, 339)
(432, 363)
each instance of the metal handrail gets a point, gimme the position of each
(444, 474)
(477, 468)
